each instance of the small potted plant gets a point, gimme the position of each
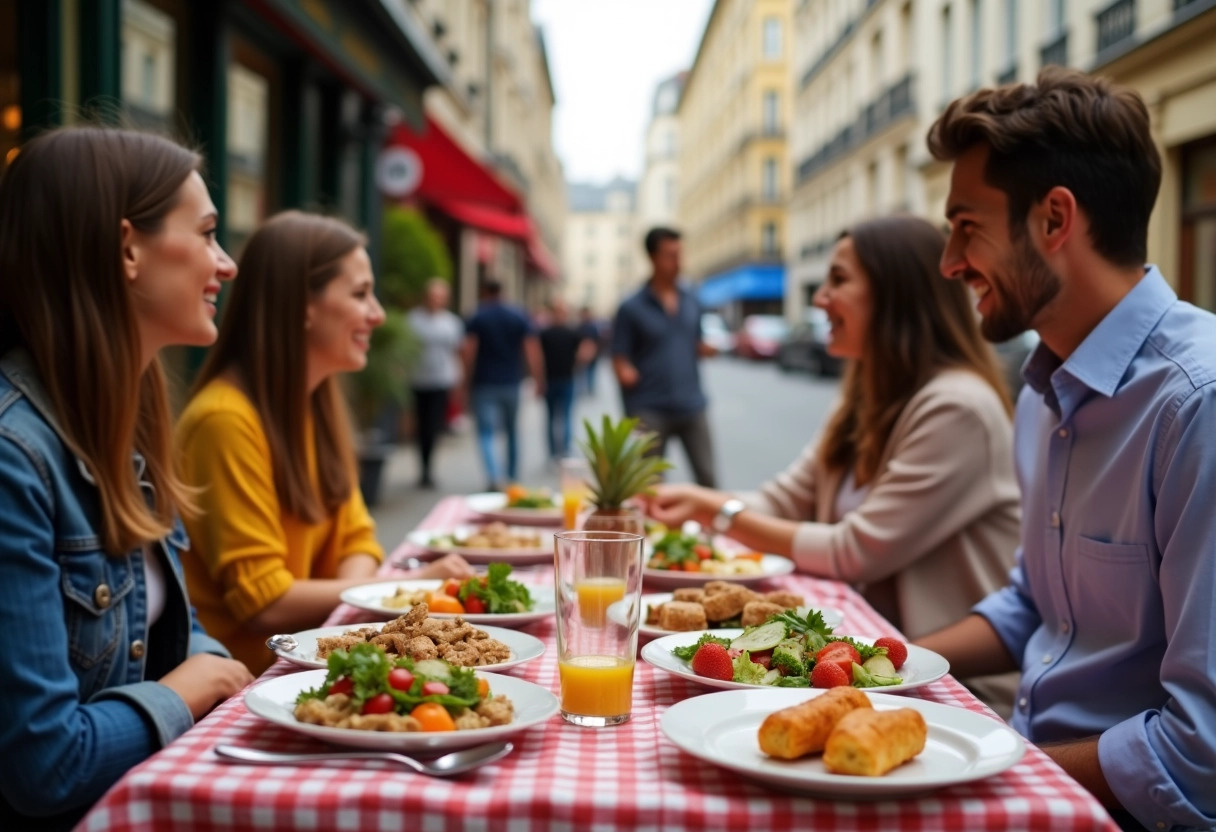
(622, 467)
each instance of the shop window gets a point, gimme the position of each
(252, 149)
(10, 85)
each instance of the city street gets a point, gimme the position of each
(761, 418)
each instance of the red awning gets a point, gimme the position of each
(486, 217)
(449, 174)
(540, 257)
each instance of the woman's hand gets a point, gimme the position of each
(448, 566)
(672, 505)
(204, 680)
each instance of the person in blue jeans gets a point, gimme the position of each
(499, 340)
(107, 254)
(566, 350)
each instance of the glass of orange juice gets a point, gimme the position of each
(574, 473)
(598, 581)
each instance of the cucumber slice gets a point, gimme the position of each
(772, 677)
(880, 666)
(434, 669)
(764, 637)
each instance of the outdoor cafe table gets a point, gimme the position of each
(561, 777)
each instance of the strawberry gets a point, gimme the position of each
(713, 662)
(830, 675)
(841, 654)
(897, 651)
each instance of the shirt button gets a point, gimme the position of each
(1055, 519)
(1047, 659)
(1063, 433)
(1065, 626)
(1022, 703)
(137, 649)
(101, 596)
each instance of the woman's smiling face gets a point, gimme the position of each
(845, 297)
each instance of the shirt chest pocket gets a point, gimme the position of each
(1118, 582)
(94, 587)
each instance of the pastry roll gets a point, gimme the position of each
(871, 743)
(803, 729)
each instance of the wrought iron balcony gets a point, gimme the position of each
(1116, 23)
(1055, 52)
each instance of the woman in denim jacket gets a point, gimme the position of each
(107, 254)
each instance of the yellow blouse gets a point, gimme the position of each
(245, 550)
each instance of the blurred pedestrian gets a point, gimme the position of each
(438, 371)
(656, 352)
(593, 330)
(499, 339)
(107, 255)
(266, 440)
(566, 350)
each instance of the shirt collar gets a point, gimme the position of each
(1103, 358)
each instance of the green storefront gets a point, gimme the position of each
(289, 100)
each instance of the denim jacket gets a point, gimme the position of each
(78, 705)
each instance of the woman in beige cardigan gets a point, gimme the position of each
(909, 492)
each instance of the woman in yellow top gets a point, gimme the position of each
(266, 439)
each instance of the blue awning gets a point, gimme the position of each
(754, 281)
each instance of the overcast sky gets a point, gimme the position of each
(606, 57)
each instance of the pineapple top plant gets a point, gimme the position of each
(621, 467)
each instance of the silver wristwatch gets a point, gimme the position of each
(726, 515)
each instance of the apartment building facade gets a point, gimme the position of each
(870, 77)
(658, 188)
(602, 256)
(733, 165)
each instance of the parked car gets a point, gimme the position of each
(715, 333)
(806, 348)
(761, 336)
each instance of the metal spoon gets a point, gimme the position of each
(457, 762)
(283, 642)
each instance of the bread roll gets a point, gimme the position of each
(871, 743)
(803, 729)
(683, 616)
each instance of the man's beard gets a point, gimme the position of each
(1024, 289)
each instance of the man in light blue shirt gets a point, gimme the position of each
(1111, 609)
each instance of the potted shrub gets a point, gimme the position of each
(621, 468)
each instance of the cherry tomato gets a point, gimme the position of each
(342, 684)
(841, 654)
(703, 552)
(381, 703)
(692, 566)
(764, 658)
(474, 605)
(749, 556)
(434, 689)
(452, 587)
(400, 678)
(433, 717)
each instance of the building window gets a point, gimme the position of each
(1011, 32)
(772, 38)
(878, 65)
(772, 115)
(769, 180)
(976, 43)
(1055, 17)
(149, 39)
(669, 193)
(768, 240)
(947, 41)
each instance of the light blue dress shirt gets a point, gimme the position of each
(1112, 606)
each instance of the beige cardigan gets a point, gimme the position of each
(938, 528)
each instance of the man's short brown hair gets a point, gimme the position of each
(1071, 130)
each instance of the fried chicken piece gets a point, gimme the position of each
(497, 709)
(714, 587)
(757, 612)
(692, 594)
(468, 720)
(728, 603)
(409, 622)
(683, 616)
(785, 600)
(388, 723)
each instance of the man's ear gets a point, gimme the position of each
(130, 251)
(1054, 219)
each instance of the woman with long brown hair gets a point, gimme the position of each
(910, 491)
(107, 255)
(267, 441)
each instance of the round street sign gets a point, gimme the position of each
(398, 171)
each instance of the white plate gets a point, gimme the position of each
(542, 553)
(275, 700)
(922, 666)
(371, 597)
(524, 648)
(771, 566)
(831, 616)
(493, 504)
(721, 728)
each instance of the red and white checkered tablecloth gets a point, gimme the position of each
(561, 777)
